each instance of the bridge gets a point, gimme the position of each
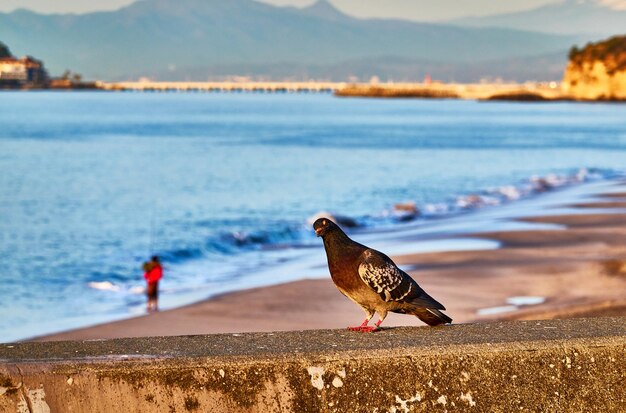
(512, 91)
(259, 87)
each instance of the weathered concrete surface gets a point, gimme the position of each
(574, 365)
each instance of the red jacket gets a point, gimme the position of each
(154, 275)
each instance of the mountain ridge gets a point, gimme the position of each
(565, 17)
(325, 9)
(166, 36)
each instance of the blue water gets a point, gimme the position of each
(91, 184)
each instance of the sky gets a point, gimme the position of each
(421, 10)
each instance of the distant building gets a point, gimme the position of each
(24, 72)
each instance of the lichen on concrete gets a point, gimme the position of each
(191, 403)
(5, 381)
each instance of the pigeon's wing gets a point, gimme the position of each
(391, 283)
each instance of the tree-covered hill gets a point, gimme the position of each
(611, 52)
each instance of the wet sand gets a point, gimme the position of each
(581, 271)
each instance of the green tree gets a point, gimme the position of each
(573, 53)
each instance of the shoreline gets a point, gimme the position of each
(444, 226)
(527, 92)
(507, 92)
(578, 271)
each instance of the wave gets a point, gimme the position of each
(116, 288)
(104, 286)
(533, 186)
(299, 234)
(489, 197)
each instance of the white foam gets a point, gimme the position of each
(104, 286)
(523, 300)
(439, 245)
(510, 192)
(137, 290)
(514, 303)
(440, 208)
(497, 310)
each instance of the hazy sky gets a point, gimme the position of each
(421, 10)
(424, 10)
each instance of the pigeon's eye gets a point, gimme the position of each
(324, 222)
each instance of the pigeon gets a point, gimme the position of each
(373, 281)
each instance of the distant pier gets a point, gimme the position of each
(437, 90)
(258, 87)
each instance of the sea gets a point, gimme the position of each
(224, 188)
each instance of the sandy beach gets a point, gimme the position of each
(578, 271)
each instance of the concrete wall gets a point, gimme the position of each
(534, 366)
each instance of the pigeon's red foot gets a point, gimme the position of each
(365, 329)
(361, 327)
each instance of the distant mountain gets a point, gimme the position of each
(589, 17)
(194, 39)
(324, 10)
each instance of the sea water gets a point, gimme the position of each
(222, 186)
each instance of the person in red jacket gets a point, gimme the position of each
(153, 272)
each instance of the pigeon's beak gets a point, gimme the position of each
(318, 232)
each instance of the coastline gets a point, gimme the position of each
(498, 91)
(579, 270)
(521, 92)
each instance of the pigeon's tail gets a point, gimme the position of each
(432, 317)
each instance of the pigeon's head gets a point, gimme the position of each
(323, 226)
